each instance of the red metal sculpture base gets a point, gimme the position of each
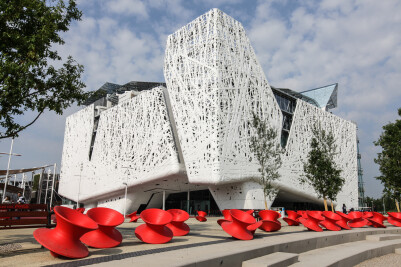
(377, 220)
(242, 225)
(312, 221)
(394, 218)
(343, 222)
(269, 220)
(106, 236)
(330, 222)
(201, 216)
(292, 218)
(356, 219)
(177, 225)
(133, 217)
(155, 231)
(64, 239)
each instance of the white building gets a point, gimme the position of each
(192, 133)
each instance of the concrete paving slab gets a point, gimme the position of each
(382, 237)
(277, 259)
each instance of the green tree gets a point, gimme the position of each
(389, 159)
(267, 150)
(321, 171)
(29, 33)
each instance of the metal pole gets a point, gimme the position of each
(47, 184)
(164, 200)
(15, 178)
(8, 169)
(125, 198)
(79, 187)
(54, 179)
(39, 192)
(188, 202)
(23, 184)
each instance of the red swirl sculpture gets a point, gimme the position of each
(356, 219)
(201, 216)
(242, 226)
(178, 225)
(64, 239)
(106, 236)
(155, 231)
(292, 218)
(343, 222)
(133, 217)
(394, 218)
(330, 222)
(269, 220)
(227, 217)
(366, 216)
(81, 210)
(312, 220)
(377, 220)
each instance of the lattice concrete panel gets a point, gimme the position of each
(134, 144)
(305, 116)
(215, 82)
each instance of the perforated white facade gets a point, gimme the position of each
(195, 134)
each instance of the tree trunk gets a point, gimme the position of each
(265, 202)
(397, 205)
(332, 206)
(325, 204)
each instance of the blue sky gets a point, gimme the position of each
(300, 44)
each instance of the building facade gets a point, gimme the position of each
(156, 140)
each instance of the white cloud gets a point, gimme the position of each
(128, 7)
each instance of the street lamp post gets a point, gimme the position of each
(125, 198)
(8, 167)
(54, 179)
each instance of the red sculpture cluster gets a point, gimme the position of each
(96, 228)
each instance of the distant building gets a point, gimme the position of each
(188, 140)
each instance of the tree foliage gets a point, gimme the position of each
(267, 151)
(390, 158)
(321, 171)
(30, 30)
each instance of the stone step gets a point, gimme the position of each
(277, 259)
(347, 254)
(382, 237)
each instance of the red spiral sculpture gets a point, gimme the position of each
(312, 221)
(292, 218)
(302, 214)
(242, 226)
(394, 218)
(133, 217)
(227, 217)
(64, 239)
(106, 236)
(201, 216)
(343, 222)
(356, 219)
(177, 225)
(81, 210)
(377, 220)
(155, 231)
(366, 215)
(330, 222)
(269, 220)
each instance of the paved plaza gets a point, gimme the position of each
(206, 245)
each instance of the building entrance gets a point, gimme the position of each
(198, 200)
